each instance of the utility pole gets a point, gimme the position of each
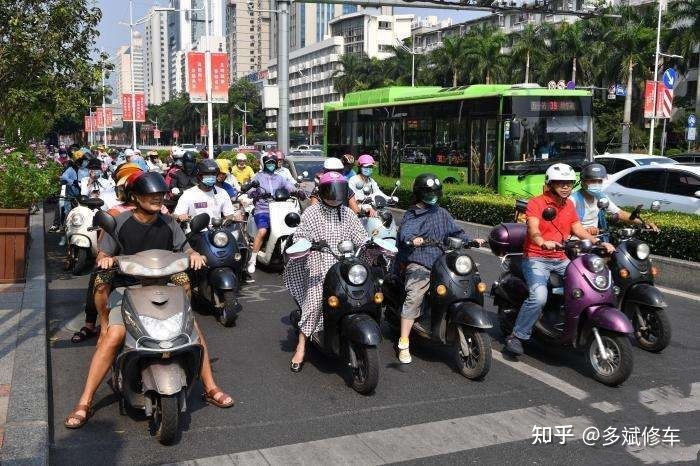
(283, 75)
(656, 78)
(207, 72)
(131, 65)
(104, 109)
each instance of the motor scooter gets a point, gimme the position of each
(218, 283)
(281, 204)
(633, 274)
(161, 356)
(581, 310)
(453, 307)
(81, 240)
(352, 299)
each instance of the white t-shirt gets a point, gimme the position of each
(590, 211)
(284, 171)
(194, 201)
(359, 193)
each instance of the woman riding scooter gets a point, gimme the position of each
(328, 221)
(363, 180)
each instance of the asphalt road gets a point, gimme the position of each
(487, 422)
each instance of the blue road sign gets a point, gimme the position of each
(670, 78)
(620, 90)
(692, 120)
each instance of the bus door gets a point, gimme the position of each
(483, 152)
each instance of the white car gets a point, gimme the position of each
(617, 162)
(676, 186)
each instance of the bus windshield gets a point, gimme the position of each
(546, 130)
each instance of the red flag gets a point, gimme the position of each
(196, 84)
(219, 77)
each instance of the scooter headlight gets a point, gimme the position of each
(163, 329)
(357, 274)
(220, 239)
(77, 220)
(463, 265)
(601, 281)
(642, 251)
(595, 264)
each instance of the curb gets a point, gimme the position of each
(674, 274)
(27, 428)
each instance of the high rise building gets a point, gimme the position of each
(157, 66)
(247, 37)
(122, 68)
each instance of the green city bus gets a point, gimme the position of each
(500, 136)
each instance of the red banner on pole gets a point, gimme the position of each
(140, 107)
(664, 100)
(310, 126)
(156, 134)
(176, 134)
(203, 130)
(90, 123)
(220, 77)
(196, 84)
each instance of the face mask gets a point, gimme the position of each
(431, 199)
(270, 167)
(209, 180)
(596, 190)
(367, 171)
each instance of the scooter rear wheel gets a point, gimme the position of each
(166, 421)
(477, 363)
(618, 367)
(80, 261)
(365, 376)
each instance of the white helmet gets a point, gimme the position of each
(333, 164)
(559, 172)
(240, 157)
(129, 152)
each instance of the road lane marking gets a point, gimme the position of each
(606, 407)
(679, 293)
(670, 400)
(548, 379)
(664, 454)
(408, 442)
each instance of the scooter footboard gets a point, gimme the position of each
(469, 313)
(605, 318)
(165, 378)
(360, 328)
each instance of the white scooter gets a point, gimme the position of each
(382, 226)
(81, 238)
(281, 204)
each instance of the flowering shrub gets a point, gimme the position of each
(27, 177)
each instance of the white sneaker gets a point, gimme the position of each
(251, 264)
(404, 353)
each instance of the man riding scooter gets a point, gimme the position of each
(543, 252)
(137, 230)
(187, 177)
(269, 182)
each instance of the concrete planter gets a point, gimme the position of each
(14, 233)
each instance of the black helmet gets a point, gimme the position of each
(149, 183)
(268, 158)
(94, 164)
(207, 167)
(427, 188)
(190, 157)
(593, 171)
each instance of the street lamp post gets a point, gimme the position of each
(207, 73)
(131, 66)
(412, 51)
(245, 112)
(311, 101)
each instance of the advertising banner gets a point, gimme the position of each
(196, 84)
(90, 123)
(101, 118)
(664, 100)
(203, 131)
(176, 134)
(156, 134)
(140, 101)
(219, 78)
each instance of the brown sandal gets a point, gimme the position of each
(212, 395)
(81, 419)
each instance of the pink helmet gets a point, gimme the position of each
(365, 160)
(333, 189)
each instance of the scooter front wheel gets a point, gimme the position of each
(618, 366)
(166, 419)
(365, 376)
(653, 333)
(228, 313)
(476, 362)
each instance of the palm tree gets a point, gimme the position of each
(567, 46)
(352, 76)
(484, 44)
(634, 48)
(528, 44)
(451, 56)
(685, 34)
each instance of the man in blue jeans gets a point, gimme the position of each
(541, 253)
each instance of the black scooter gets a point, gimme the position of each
(218, 283)
(352, 301)
(633, 275)
(453, 308)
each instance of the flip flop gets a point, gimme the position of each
(80, 418)
(85, 333)
(213, 394)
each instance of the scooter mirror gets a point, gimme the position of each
(656, 205)
(603, 203)
(359, 185)
(345, 247)
(199, 222)
(366, 190)
(105, 221)
(292, 219)
(549, 214)
(398, 183)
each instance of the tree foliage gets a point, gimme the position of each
(46, 72)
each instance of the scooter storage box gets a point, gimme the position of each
(507, 238)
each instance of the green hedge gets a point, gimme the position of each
(476, 204)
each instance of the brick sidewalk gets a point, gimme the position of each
(10, 304)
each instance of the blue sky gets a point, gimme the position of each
(113, 35)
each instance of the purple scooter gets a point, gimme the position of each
(580, 312)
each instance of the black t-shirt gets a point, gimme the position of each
(136, 236)
(183, 181)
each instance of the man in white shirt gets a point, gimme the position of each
(96, 185)
(205, 197)
(281, 169)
